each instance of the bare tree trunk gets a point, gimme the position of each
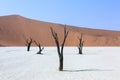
(61, 64)
(60, 50)
(28, 48)
(40, 48)
(28, 43)
(80, 51)
(80, 46)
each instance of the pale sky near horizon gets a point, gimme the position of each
(98, 14)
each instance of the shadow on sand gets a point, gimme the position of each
(85, 70)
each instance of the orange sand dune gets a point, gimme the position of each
(15, 29)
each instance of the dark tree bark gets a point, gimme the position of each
(60, 47)
(28, 43)
(40, 48)
(80, 46)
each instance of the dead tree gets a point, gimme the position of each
(60, 47)
(40, 48)
(28, 43)
(80, 46)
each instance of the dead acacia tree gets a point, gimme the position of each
(40, 48)
(60, 47)
(28, 43)
(80, 46)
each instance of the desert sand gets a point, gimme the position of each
(16, 29)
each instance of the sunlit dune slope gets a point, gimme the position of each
(15, 30)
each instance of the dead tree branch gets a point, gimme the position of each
(28, 43)
(40, 48)
(80, 46)
(60, 47)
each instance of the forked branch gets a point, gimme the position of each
(80, 46)
(40, 48)
(28, 43)
(60, 47)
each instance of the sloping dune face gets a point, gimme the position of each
(15, 30)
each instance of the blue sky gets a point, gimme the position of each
(99, 14)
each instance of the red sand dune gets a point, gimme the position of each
(15, 29)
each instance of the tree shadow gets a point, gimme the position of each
(86, 70)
